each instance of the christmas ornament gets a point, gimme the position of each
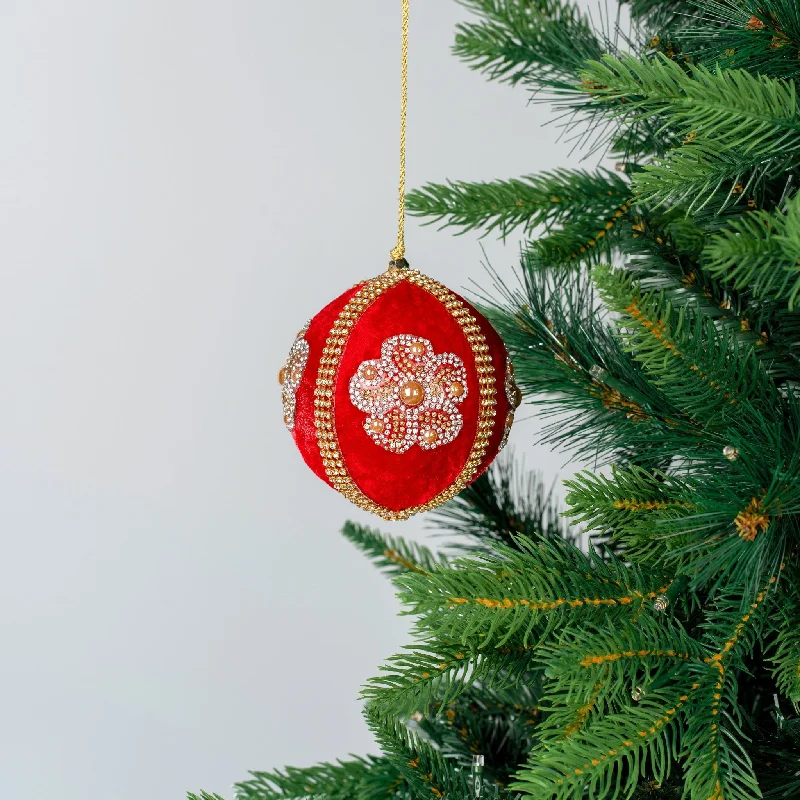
(661, 603)
(399, 393)
(730, 452)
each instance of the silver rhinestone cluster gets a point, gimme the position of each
(510, 385)
(410, 394)
(292, 374)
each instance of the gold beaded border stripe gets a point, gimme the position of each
(326, 386)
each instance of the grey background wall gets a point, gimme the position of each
(183, 184)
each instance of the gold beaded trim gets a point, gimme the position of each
(326, 379)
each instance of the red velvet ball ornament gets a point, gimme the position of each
(398, 394)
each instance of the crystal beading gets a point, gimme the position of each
(410, 394)
(292, 374)
(510, 386)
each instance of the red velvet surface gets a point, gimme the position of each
(396, 480)
(305, 429)
(401, 480)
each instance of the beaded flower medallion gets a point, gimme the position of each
(410, 394)
(291, 374)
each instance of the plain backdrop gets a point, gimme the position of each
(182, 185)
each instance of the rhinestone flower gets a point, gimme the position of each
(410, 394)
(291, 374)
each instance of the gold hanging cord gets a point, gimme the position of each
(399, 252)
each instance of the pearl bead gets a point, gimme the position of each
(456, 389)
(430, 436)
(369, 372)
(282, 376)
(376, 425)
(412, 393)
(416, 348)
(517, 396)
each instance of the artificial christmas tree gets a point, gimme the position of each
(658, 311)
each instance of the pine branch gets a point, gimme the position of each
(367, 778)
(568, 359)
(424, 771)
(503, 206)
(732, 107)
(519, 596)
(203, 796)
(583, 240)
(694, 173)
(739, 129)
(760, 252)
(666, 256)
(606, 759)
(706, 371)
(717, 763)
(540, 43)
(501, 724)
(433, 672)
(595, 671)
(661, 16)
(785, 649)
(722, 520)
(392, 554)
(762, 36)
(630, 505)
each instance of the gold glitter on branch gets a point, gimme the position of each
(396, 558)
(752, 521)
(659, 331)
(549, 605)
(649, 505)
(717, 661)
(609, 224)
